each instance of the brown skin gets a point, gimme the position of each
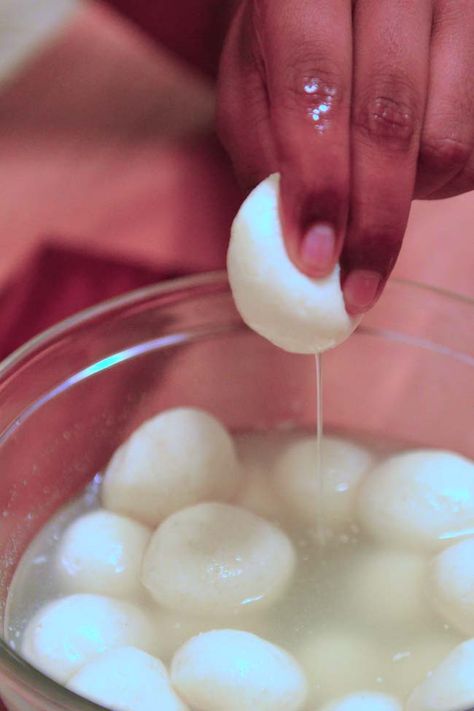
(395, 77)
(361, 105)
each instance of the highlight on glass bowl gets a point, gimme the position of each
(197, 516)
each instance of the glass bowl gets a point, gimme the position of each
(71, 395)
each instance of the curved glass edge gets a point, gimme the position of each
(440, 291)
(170, 286)
(210, 279)
(38, 685)
(161, 343)
(12, 664)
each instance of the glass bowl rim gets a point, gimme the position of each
(212, 278)
(12, 664)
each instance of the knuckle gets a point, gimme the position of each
(450, 15)
(444, 154)
(388, 113)
(312, 81)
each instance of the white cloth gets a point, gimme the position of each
(25, 25)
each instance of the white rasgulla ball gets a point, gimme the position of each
(365, 701)
(67, 633)
(386, 588)
(237, 671)
(338, 662)
(452, 580)
(419, 499)
(127, 679)
(451, 685)
(343, 464)
(413, 660)
(274, 298)
(215, 559)
(257, 493)
(102, 552)
(176, 459)
(173, 629)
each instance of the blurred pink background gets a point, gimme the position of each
(107, 148)
(111, 177)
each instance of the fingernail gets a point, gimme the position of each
(361, 289)
(318, 248)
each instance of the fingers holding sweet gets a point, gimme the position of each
(360, 106)
(308, 51)
(284, 105)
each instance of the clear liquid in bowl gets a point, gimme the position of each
(356, 616)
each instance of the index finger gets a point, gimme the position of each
(307, 47)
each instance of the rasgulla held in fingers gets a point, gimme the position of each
(295, 312)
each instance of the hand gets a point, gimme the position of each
(361, 106)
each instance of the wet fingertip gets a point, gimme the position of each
(318, 249)
(361, 289)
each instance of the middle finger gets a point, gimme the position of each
(391, 68)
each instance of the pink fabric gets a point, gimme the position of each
(192, 29)
(107, 145)
(56, 283)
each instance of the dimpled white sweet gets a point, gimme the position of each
(365, 701)
(274, 298)
(102, 552)
(237, 671)
(338, 662)
(386, 588)
(450, 687)
(173, 629)
(419, 499)
(67, 633)
(177, 458)
(452, 578)
(127, 679)
(344, 464)
(217, 559)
